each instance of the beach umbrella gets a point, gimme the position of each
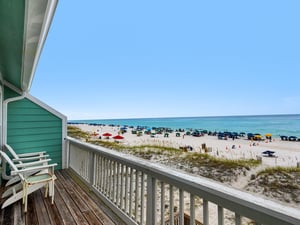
(257, 137)
(106, 134)
(268, 135)
(118, 137)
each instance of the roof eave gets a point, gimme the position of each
(38, 18)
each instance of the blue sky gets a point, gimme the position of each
(137, 59)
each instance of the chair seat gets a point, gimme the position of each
(39, 178)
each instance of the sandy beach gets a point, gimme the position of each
(287, 153)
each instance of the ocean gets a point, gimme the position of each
(277, 125)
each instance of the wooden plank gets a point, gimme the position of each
(80, 202)
(7, 215)
(64, 212)
(40, 208)
(70, 189)
(19, 218)
(54, 214)
(30, 216)
(75, 212)
(93, 202)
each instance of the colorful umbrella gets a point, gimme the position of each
(119, 137)
(106, 134)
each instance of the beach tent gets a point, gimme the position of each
(268, 153)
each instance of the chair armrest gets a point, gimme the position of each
(32, 169)
(30, 164)
(30, 158)
(31, 154)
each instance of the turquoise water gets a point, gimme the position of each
(277, 125)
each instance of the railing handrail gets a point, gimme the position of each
(238, 201)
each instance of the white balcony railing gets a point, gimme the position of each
(145, 193)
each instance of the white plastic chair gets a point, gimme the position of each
(30, 183)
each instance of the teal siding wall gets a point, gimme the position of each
(31, 128)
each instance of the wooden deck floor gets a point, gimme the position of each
(72, 205)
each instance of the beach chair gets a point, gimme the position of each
(25, 160)
(30, 183)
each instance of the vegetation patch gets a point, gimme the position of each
(77, 133)
(281, 183)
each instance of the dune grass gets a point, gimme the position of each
(279, 169)
(199, 159)
(76, 132)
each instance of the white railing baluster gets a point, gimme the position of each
(162, 203)
(192, 209)
(238, 219)
(118, 185)
(111, 178)
(181, 207)
(102, 174)
(171, 201)
(106, 177)
(114, 182)
(136, 195)
(142, 197)
(151, 201)
(126, 189)
(220, 215)
(122, 187)
(131, 192)
(205, 212)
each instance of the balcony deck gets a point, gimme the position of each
(73, 204)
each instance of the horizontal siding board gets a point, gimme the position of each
(28, 111)
(34, 137)
(33, 118)
(35, 140)
(39, 143)
(32, 131)
(30, 124)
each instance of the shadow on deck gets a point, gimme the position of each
(73, 204)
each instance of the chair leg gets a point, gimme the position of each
(26, 197)
(52, 185)
(24, 192)
(47, 189)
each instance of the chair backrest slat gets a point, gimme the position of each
(9, 161)
(12, 152)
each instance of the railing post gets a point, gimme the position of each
(151, 201)
(67, 154)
